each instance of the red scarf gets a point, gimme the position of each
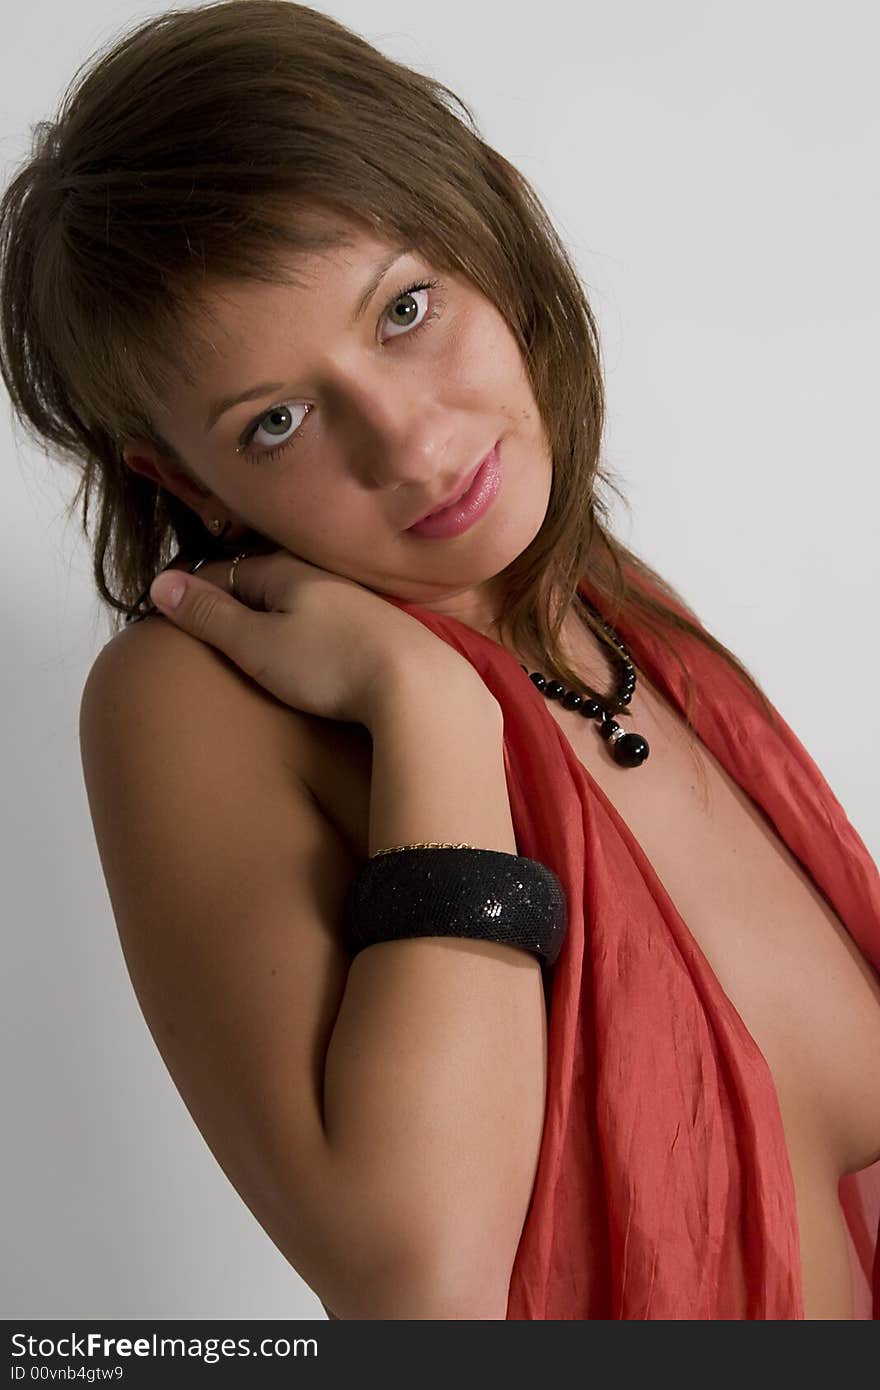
(663, 1187)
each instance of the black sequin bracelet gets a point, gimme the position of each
(478, 893)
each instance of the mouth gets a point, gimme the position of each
(461, 488)
(466, 510)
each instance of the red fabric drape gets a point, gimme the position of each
(663, 1187)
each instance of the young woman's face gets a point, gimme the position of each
(356, 426)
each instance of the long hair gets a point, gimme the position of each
(180, 155)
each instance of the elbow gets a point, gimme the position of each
(426, 1288)
(464, 1284)
(452, 1262)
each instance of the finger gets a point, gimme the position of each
(262, 581)
(206, 612)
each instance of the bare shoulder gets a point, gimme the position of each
(331, 760)
(154, 656)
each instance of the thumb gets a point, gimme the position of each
(167, 590)
(205, 611)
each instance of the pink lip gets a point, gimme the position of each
(460, 515)
(460, 491)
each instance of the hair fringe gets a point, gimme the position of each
(192, 149)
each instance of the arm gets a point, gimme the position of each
(434, 1076)
(373, 1114)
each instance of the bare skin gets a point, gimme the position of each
(807, 996)
(377, 419)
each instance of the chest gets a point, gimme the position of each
(803, 989)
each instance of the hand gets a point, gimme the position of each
(319, 642)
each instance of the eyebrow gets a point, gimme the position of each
(268, 388)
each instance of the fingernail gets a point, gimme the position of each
(167, 590)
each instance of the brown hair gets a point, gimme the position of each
(180, 155)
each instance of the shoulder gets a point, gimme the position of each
(152, 671)
(154, 666)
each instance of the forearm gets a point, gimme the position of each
(425, 1024)
(438, 765)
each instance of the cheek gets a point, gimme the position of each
(487, 364)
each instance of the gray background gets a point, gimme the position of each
(713, 169)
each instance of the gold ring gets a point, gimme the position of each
(242, 556)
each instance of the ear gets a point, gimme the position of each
(142, 456)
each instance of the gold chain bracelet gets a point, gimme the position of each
(423, 844)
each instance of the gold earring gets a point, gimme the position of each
(215, 525)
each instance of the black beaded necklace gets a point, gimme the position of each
(629, 750)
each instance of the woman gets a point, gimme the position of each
(486, 1007)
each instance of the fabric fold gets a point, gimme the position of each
(663, 1187)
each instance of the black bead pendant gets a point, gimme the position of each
(628, 750)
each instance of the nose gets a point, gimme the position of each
(397, 434)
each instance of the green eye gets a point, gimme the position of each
(409, 327)
(279, 423)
